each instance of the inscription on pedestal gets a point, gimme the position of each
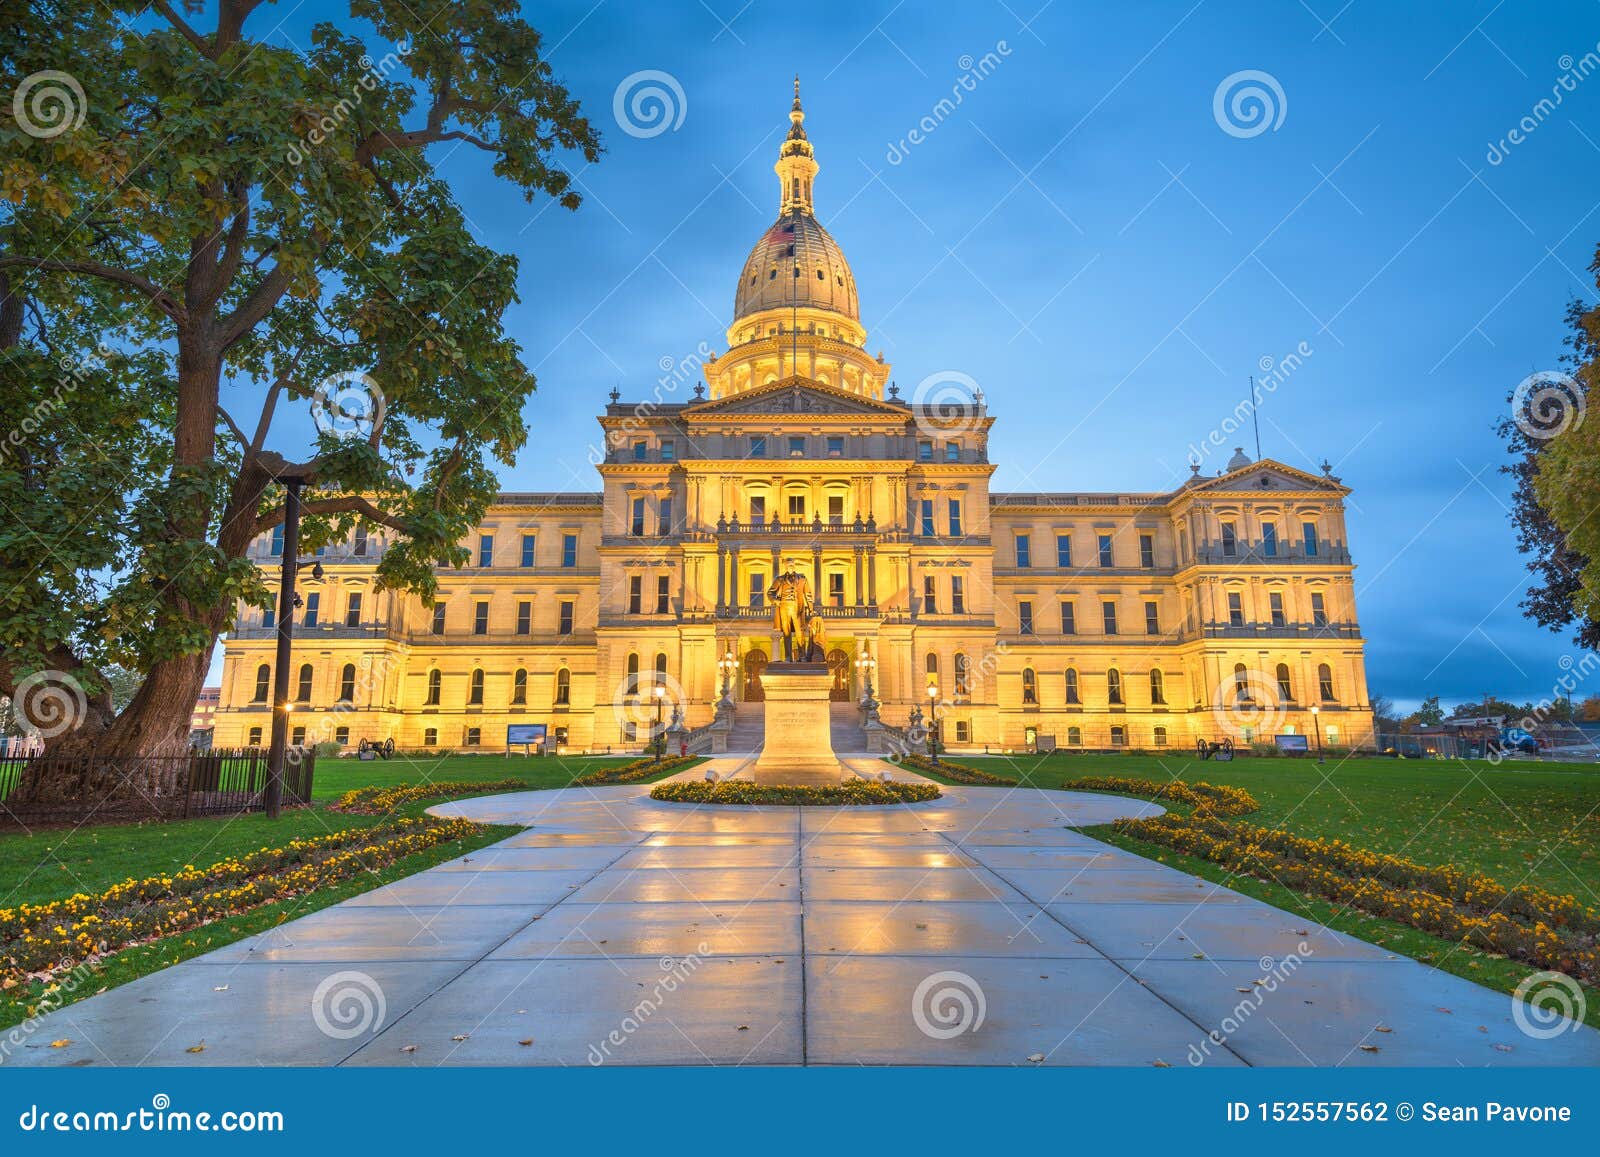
(798, 748)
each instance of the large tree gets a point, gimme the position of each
(193, 215)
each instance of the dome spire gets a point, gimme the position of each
(796, 167)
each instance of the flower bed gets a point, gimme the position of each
(38, 940)
(857, 793)
(379, 801)
(1213, 797)
(959, 772)
(635, 772)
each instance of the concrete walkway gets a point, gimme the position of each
(977, 929)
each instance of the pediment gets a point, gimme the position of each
(1267, 476)
(795, 395)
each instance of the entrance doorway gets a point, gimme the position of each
(839, 667)
(754, 663)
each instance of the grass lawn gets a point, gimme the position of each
(1518, 823)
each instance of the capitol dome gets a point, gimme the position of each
(796, 263)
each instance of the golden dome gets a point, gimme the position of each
(796, 263)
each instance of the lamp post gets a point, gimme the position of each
(660, 693)
(933, 722)
(1316, 722)
(727, 665)
(866, 664)
(287, 599)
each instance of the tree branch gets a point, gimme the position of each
(200, 43)
(348, 504)
(161, 298)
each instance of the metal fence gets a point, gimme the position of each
(55, 788)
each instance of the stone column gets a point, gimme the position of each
(817, 593)
(858, 577)
(871, 557)
(722, 577)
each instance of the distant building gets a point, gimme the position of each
(205, 711)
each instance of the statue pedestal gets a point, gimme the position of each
(798, 748)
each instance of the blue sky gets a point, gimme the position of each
(1083, 237)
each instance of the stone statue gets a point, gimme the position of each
(816, 648)
(791, 609)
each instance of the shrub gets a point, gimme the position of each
(377, 801)
(856, 793)
(1212, 797)
(959, 772)
(635, 772)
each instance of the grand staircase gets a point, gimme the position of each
(847, 735)
(749, 727)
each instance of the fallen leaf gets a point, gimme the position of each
(1036, 1057)
(199, 1048)
(219, 988)
(463, 1036)
(526, 1043)
(744, 1028)
(1383, 1028)
(1502, 1048)
(1369, 1048)
(1161, 1064)
(408, 1048)
(61, 1044)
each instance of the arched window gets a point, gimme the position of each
(1241, 683)
(435, 681)
(1325, 683)
(563, 687)
(475, 692)
(931, 666)
(1158, 690)
(519, 687)
(263, 683)
(1030, 686)
(963, 674)
(347, 683)
(630, 685)
(661, 668)
(1073, 695)
(1285, 687)
(302, 692)
(1114, 687)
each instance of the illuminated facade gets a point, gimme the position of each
(1223, 608)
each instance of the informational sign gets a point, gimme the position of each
(526, 735)
(1292, 744)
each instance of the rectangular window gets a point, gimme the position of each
(1159, 737)
(836, 588)
(1119, 737)
(930, 592)
(341, 735)
(758, 589)
(1269, 539)
(564, 627)
(963, 731)
(569, 550)
(797, 447)
(1152, 618)
(663, 594)
(269, 617)
(313, 604)
(958, 596)
(485, 550)
(669, 450)
(474, 735)
(1108, 614)
(298, 739)
(1147, 550)
(1024, 551)
(524, 618)
(1308, 534)
(438, 618)
(927, 518)
(636, 518)
(758, 445)
(797, 508)
(529, 543)
(664, 517)
(1230, 540)
(1063, 551)
(1069, 619)
(1025, 617)
(635, 594)
(835, 446)
(360, 547)
(955, 517)
(641, 450)
(1235, 609)
(758, 510)
(1104, 543)
(352, 610)
(255, 737)
(430, 737)
(836, 510)
(480, 618)
(1275, 600)
(277, 539)
(952, 451)
(924, 451)
(1319, 611)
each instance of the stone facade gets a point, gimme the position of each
(1222, 608)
